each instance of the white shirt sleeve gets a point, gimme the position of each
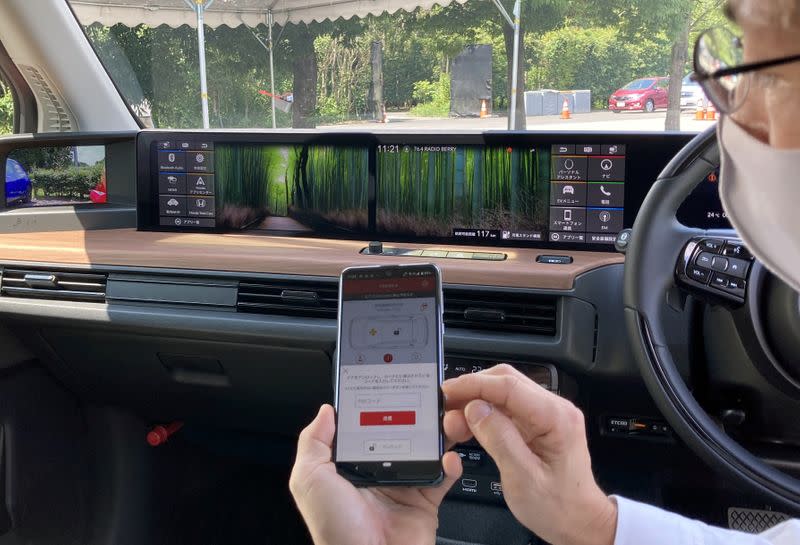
(639, 523)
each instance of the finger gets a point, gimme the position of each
(314, 443)
(515, 395)
(500, 437)
(451, 464)
(456, 429)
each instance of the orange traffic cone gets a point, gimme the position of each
(711, 112)
(484, 108)
(699, 113)
(565, 110)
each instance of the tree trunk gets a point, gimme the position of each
(304, 71)
(508, 36)
(680, 51)
(376, 84)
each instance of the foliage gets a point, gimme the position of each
(488, 188)
(316, 183)
(6, 109)
(45, 157)
(568, 43)
(71, 182)
(596, 58)
(432, 97)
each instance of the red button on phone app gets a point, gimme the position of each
(388, 418)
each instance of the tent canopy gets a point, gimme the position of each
(233, 13)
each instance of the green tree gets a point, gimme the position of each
(6, 109)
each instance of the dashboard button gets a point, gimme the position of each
(738, 267)
(704, 260)
(171, 161)
(719, 264)
(200, 161)
(697, 274)
(172, 184)
(603, 220)
(200, 184)
(554, 259)
(736, 249)
(712, 245)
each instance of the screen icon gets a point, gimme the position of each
(567, 215)
(604, 191)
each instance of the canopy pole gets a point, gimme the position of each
(270, 22)
(513, 23)
(512, 114)
(199, 8)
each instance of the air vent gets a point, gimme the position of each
(53, 284)
(497, 311)
(289, 297)
(56, 115)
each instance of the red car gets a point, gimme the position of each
(645, 94)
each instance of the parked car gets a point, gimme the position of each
(692, 94)
(645, 94)
(18, 185)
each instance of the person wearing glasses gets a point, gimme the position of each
(538, 439)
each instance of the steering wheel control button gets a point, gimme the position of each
(719, 264)
(554, 259)
(712, 245)
(698, 275)
(738, 267)
(704, 260)
(623, 240)
(719, 281)
(736, 249)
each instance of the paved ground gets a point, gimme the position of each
(595, 121)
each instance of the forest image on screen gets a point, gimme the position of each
(293, 188)
(463, 191)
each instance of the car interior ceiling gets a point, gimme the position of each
(153, 309)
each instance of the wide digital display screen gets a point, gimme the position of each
(562, 193)
(477, 194)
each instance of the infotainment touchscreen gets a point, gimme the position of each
(557, 192)
(490, 189)
(299, 189)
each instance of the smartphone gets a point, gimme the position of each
(389, 405)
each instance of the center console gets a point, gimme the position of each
(481, 478)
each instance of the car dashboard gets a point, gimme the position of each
(205, 289)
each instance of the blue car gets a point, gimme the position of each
(18, 184)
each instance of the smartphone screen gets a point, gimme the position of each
(389, 375)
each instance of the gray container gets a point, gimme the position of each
(533, 102)
(550, 102)
(583, 101)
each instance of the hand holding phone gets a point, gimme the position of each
(389, 375)
(338, 512)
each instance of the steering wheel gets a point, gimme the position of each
(661, 259)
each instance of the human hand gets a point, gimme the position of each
(538, 441)
(338, 513)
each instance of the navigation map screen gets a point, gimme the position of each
(474, 194)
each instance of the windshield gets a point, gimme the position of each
(639, 85)
(356, 66)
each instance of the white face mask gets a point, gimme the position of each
(760, 191)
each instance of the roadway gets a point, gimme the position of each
(599, 121)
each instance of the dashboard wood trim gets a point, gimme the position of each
(284, 255)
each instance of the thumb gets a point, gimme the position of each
(499, 436)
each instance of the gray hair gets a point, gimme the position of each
(783, 13)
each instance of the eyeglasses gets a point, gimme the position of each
(718, 68)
